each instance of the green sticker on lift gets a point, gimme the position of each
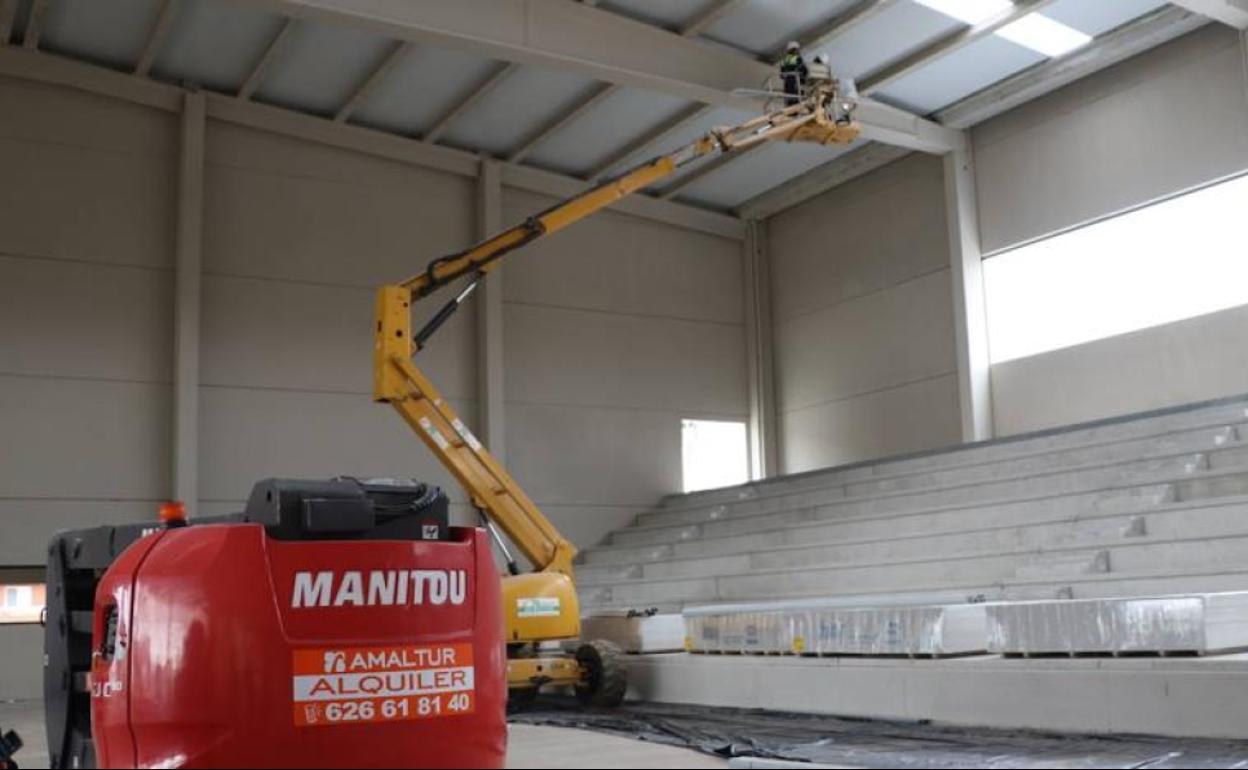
(538, 607)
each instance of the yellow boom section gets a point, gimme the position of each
(824, 116)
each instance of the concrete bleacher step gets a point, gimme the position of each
(976, 529)
(834, 488)
(1110, 489)
(839, 550)
(1057, 567)
(1118, 430)
(1153, 582)
(1163, 468)
(1124, 499)
(1045, 569)
(1152, 511)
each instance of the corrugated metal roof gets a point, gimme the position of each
(959, 74)
(772, 165)
(891, 34)
(1097, 18)
(217, 44)
(529, 98)
(764, 26)
(588, 142)
(423, 86)
(320, 67)
(110, 32)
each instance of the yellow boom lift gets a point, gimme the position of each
(541, 607)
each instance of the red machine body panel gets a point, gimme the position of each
(233, 649)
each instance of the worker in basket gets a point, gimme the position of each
(793, 72)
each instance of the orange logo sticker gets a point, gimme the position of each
(382, 684)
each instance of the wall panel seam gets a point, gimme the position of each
(686, 412)
(806, 312)
(865, 189)
(355, 287)
(403, 168)
(44, 377)
(84, 261)
(625, 314)
(868, 393)
(315, 391)
(123, 152)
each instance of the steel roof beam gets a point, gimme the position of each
(482, 90)
(365, 89)
(262, 66)
(1232, 12)
(594, 43)
(157, 37)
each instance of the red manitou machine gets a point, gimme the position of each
(332, 624)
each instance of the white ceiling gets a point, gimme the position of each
(217, 44)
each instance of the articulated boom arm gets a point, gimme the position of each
(824, 116)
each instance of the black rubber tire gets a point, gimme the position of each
(521, 698)
(606, 680)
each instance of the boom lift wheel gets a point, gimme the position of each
(521, 698)
(606, 678)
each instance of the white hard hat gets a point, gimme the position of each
(793, 46)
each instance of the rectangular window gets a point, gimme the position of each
(1173, 260)
(21, 603)
(714, 454)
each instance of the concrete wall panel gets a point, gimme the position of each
(65, 117)
(75, 319)
(337, 228)
(1193, 360)
(85, 439)
(29, 524)
(615, 329)
(587, 456)
(913, 417)
(880, 340)
(250, 434)
(276, 334)
(576, 357)
(1149, 128)
(20, 676)
(876, 232)
(618, 263)
(1165, 121)
(863, 309)
(85, 204)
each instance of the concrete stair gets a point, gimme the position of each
(1159, 502)
(1148, 506)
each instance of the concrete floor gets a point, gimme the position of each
(530, 746)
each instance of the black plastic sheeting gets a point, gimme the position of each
(871, 743)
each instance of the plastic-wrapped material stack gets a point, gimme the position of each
(633, 633)
(829, 627)
(1198, 623)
